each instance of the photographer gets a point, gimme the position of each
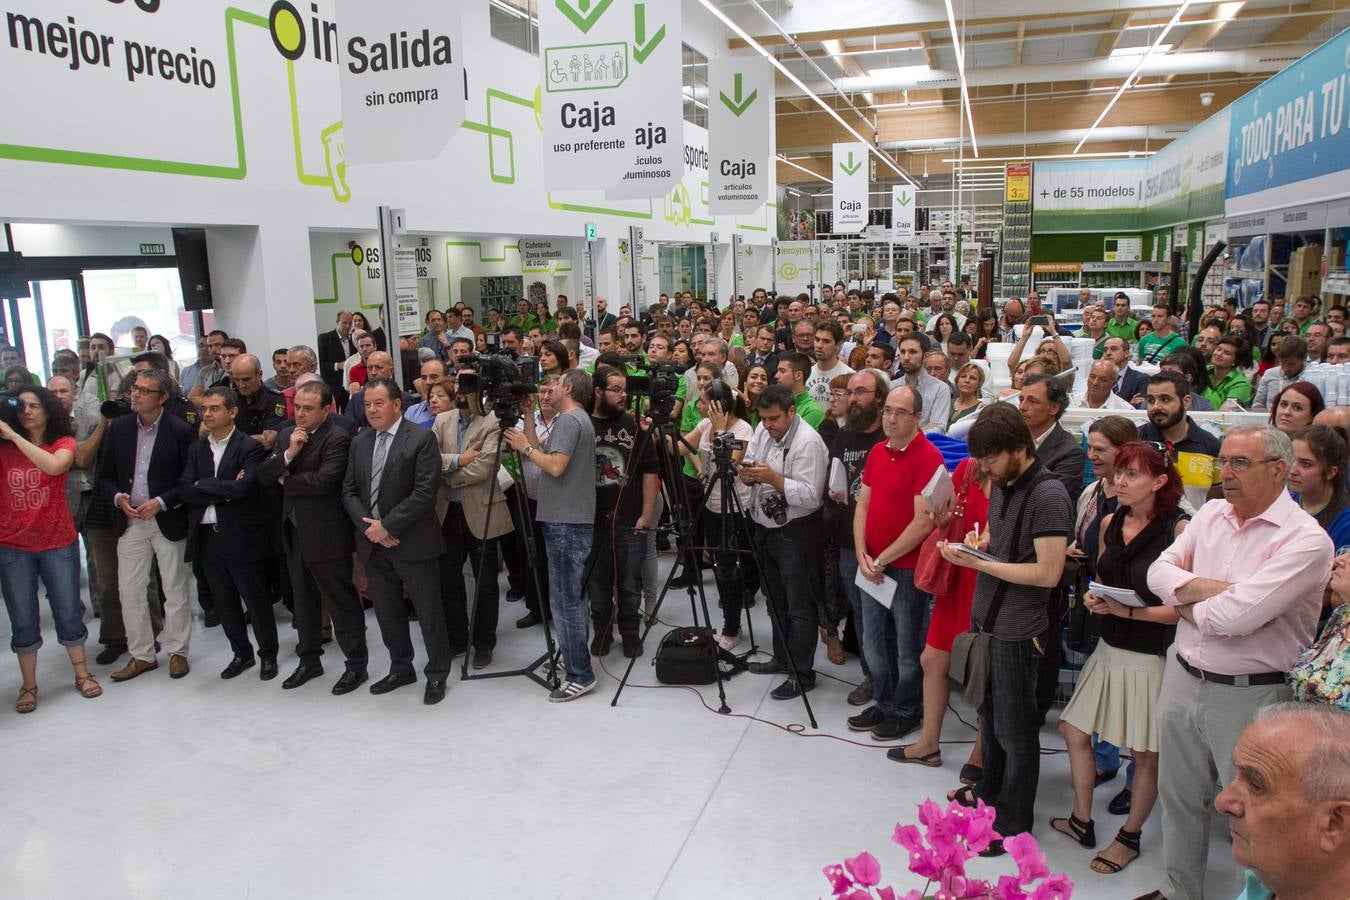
(566, 517)
(627, 482)
(786, 468)
(37, 536)
(722, 439)
(470, 442)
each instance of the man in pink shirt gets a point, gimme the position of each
(1246, 578)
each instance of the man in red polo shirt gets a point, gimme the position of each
(887, 534)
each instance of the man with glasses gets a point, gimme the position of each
(144, 456)
(1191, 448)
(1246, 578)
(887, 535)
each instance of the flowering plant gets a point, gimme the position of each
(940, 853)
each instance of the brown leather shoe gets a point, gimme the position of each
(134, 668)
(178, 666)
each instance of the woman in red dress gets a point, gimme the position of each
(951, 616)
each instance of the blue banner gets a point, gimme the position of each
(1295, 127)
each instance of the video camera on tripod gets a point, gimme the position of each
(503, 380)
(724, 446)
(659, 384)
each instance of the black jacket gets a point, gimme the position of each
(408, 487)
(1061, 454)
(168, 459)
(239, 513)
(312, 492)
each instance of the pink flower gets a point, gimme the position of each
(886, 893)
(1056, 887)
(980, 831)
(839, 880)
(864, 869)
(908, 836)
(930, 813)
(1028, 856)
(859, 894)
(1008, 889)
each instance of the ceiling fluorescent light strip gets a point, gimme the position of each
(758, 47)
(787, 162)
(1125, 85)
(1103, 154)
(961, 70)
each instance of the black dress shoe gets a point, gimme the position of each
(301, 674)
(482, 659)
(268, 670)
(791, 688)
(528, 620)
(350, 681)
(435, 692)
(237, 665)
(1120, 803)
(110, 654)
(771, 667)
(391, 682)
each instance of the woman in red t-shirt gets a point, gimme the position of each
(37, 535)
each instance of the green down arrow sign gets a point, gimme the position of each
(583, 16)
(903, 198)
(643, 48)
(850, 167)
(739, 105)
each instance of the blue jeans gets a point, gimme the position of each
(848, 571)
(621, 562)
(567, 547)
(60, 572)
(1010, 726)
(892, 643)
(1108, 759)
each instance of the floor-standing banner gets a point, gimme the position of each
(612, 102)
(740, 107)
(402, 78)
(850, 188)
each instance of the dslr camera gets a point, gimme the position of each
(502, 380)
(775, 507)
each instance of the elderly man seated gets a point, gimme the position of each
(1288, 804)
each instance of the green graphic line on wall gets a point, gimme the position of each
(360, 296)
(336, 180)
(450, 281)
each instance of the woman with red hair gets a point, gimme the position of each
(1117, 692)
(1295, 407)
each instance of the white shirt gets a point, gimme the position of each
(586, 356)
(217, 453)
(1113, 401)
(818, 382)
(802, 460)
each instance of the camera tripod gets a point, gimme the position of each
(522, 509)
(682, 516)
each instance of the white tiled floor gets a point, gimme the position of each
(203, 788)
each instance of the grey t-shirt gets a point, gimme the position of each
(569, 499)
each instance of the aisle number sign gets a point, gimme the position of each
(402, 79)
(740, 100)
(1017, 183)
(612, 106)
(903, 201)
(850, 187)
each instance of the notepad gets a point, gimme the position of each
(1123, 596)
(883, 593)
(972, 551)
(940, 490)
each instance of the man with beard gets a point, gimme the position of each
(937, 395)
(861, 432)
(828, 337)
(1191, 448)
(625, 506)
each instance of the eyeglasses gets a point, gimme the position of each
(1240, 463)
(896, 413)
(839, 395)
(1163, 449)
(862, 392)
(615, 390)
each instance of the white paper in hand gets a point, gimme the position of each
(838, 477)
(940, 490)
(1123, 596)
(883, 593)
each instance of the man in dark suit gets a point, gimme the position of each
(334, 348)
(309, 462)
(143, 461)
(378, 365)
(603, 319)
(225, 519)
(1130, 382)
(389, 492)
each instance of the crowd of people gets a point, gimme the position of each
(1201, 576)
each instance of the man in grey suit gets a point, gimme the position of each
(389, 492)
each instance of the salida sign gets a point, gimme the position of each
(402, 78)
(611, 99)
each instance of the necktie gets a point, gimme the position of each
(376, 470)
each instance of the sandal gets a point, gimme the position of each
(1127, 839)
(971, 773)
(88, 686)
(1085, 833)
(964, 795)
(26, 706)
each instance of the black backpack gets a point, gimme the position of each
(687, 656)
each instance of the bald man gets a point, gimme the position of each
(262, 411)
(1335, 416)
(378, 365)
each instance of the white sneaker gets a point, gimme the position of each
(570, 690)
(729, 642)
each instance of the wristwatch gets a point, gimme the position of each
(528, 451)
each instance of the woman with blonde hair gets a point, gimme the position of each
(969, 383)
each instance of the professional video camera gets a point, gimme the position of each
(660, 384)
(111, 409)
(502, 380)
(724, 444)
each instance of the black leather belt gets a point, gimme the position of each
(1257, 680)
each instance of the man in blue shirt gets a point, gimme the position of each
(433, 371)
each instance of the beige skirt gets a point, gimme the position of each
(1117, 697)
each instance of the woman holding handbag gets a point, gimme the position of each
(953, 589)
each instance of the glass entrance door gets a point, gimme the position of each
(39, 325)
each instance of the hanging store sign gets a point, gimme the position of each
(612, 102)
(1017, 183)
(740, 100)
(904, 200)
(850, 188)
(402, 78)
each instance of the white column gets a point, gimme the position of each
(261, 282)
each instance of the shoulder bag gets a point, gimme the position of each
(933, 574)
